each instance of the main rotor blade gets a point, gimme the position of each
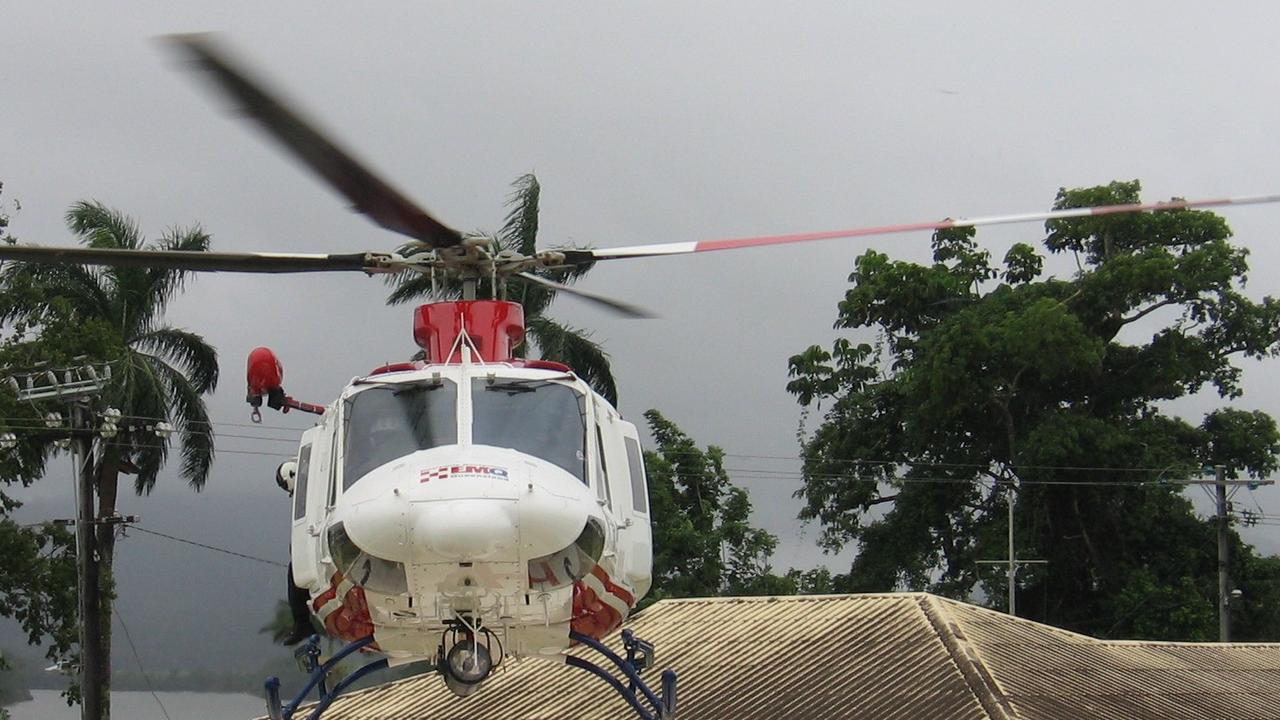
(367, 192)
(617, 306)
(195, 261)
(575, 257)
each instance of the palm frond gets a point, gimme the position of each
(191, 421)
(31, 288)
(575, 349)
(101, 227)
(149, 457)
(521, 227)
(160, 284)
(197, 358)
(140, 394)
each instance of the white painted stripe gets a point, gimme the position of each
(676, 248)
(343, 588)
(328, 609)
(295, 256)
(606, 597)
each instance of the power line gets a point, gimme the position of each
(138, 659)
(690, 453)
(921, 463)
(763, 474)
(209, 547)
(175, 431)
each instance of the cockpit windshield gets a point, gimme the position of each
(536, 417)
(394, 420)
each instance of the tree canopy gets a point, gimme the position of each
(964, 383)
(703, 543)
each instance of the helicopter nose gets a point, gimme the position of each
(467, 529)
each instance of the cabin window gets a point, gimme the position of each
(535, 417)
(635, 463)
(300, 484)
(387, 422)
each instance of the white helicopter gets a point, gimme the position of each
(467, 506)
(470, 506)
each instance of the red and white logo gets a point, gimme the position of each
(444, 472)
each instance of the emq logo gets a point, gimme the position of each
(443, 472)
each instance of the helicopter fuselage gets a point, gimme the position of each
(503, 498)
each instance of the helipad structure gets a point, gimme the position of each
(870, 657)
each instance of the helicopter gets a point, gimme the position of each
(471, 505)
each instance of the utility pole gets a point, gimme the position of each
(1224, 612)
(1011, 560)
(1012, 572)
(88, 577)
(76, 387)
(1222, 507)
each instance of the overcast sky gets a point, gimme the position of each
(645, 123)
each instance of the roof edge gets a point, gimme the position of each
(908, 595)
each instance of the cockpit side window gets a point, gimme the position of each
(536, 417)
(390, 421)
(300, 486)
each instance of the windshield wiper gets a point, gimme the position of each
(511, 387)
(416, 387)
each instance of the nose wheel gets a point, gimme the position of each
(468, 652)
(647, 704)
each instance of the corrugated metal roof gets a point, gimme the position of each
(878, 657)
(1044, 672)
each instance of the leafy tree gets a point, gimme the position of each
(37, 584)
(1256, 614)
(703, 544)
(988, 383)
(554, 341)
(160, 373)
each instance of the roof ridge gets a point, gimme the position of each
(1006, 617)
(976, 675)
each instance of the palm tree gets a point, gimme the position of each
(554, 341)
(160, 374)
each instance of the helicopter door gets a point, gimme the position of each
(308, 504)
(636, 535)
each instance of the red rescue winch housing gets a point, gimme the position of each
(265, 374)
(494, 327)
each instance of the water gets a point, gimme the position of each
(49, 705)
